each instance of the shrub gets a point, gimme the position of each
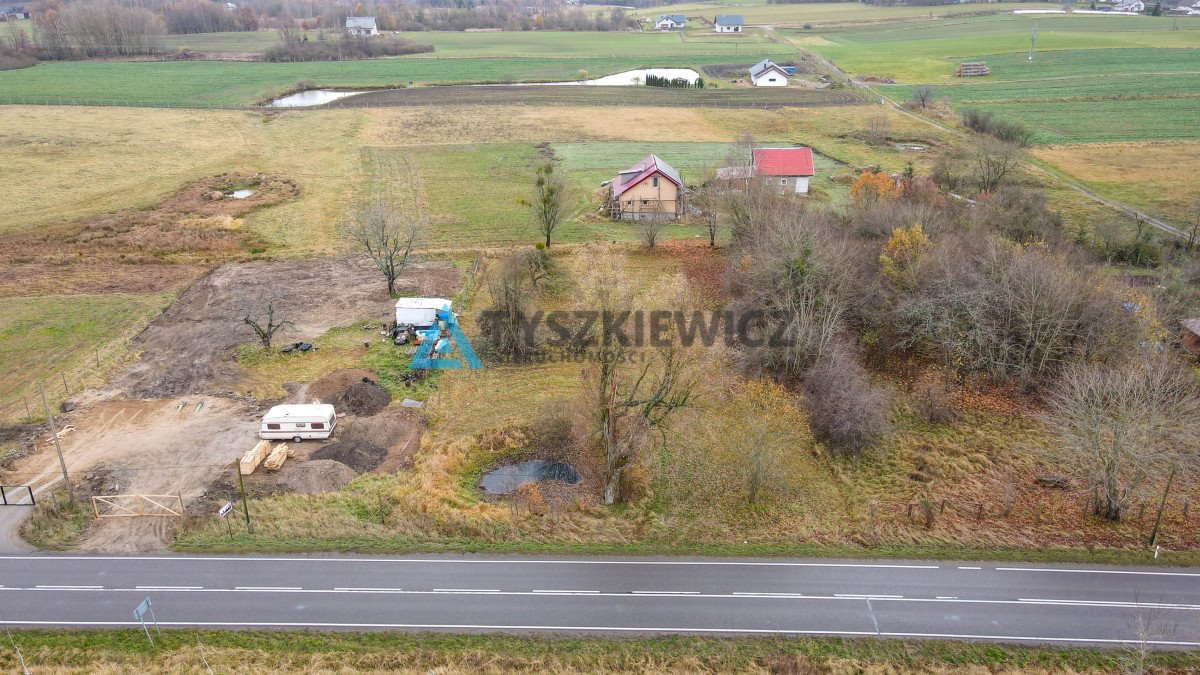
(844, 409)
(346, 49)
(984, 122)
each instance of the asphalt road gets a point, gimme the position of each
(1024, 603)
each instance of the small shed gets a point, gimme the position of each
(361, 25)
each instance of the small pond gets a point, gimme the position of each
(508, 478)
(241, 194)
(311, 97)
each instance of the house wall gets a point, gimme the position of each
(796, 184)
(729, 29)
(643, 200)
(770, 79)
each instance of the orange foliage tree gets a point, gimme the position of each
(872, 187)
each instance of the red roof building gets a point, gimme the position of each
(791, 168)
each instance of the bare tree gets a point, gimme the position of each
(707, 200)
(993, 161)
(549, 203)
(263, 316)
(923, 96)
(1124, 427)
(387, 235)
(878, 128)
(844, 408)
(651, 227)
(513, 288)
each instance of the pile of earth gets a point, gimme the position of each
(364, 398)
(333, 384)
(316, 475)
(361, 456)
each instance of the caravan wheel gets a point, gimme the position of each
(296, 439)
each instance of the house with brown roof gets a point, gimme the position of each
(647, 190)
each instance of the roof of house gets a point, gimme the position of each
(360, 22)
(642, 170)
(674, 18)
(783, 161)
(729, 20)
(763, 66)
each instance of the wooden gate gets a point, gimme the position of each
(133, 506)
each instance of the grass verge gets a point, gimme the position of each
(56, 523)
(262, 651)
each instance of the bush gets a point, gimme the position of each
(348, 48)
(984, 122)
(844, 409)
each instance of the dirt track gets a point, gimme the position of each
(188, 349)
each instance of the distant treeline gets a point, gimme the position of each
(674, 83)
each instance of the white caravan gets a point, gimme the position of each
(298, 422)
(419, 312)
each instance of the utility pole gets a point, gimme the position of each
(58, 448)
(1032, 39)
(1161, 505)
(242, 489)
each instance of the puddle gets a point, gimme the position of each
(508, 478)
(913, 147)
(311, 97)
(241, 194)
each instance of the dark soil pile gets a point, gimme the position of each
(363, 399)
(358, 455)
(334, 384)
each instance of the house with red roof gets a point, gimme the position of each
(649, 189)
(789, 169)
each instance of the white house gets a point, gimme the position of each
(669, 22)
(766, 74)
(728, 23)
(361, 25)
(1130, 6)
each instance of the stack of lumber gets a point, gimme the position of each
(255, 456)
(972, 69)
(277, 456)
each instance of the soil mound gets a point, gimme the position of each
(320, 475)
(363, 399)
(360, 456)
(334, 384)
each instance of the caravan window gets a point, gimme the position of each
(273, 427)
(300, 425)
(318, 425)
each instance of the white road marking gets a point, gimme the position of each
(947, 597)
(665, 592)
(868, 596)
(613, 629)
(553, 592)
(370, 590)
(1077, 571)
(466, 590)
(69, 588)
(437, 561)
(753, 594)
(267, 588)
(963, 567)
(168, 588)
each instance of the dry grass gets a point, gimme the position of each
(1152, 176)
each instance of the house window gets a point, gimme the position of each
(654, 181)
(273, 427)
(783, 181)
(645, 202)
(318, 425)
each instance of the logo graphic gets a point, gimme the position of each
(437, 352)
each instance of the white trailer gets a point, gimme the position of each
(419, 312)
(298, 422)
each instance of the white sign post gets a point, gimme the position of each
(224, 513)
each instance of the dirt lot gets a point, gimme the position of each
(189, 348)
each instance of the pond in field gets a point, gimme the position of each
(508, 478)
(241, 194)
(309, 98)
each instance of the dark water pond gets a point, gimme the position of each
(508, 478)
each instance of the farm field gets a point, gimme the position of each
(529, 44)
(928, 51)
(229, 83)
(759, 12)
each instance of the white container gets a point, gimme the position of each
(419, 312)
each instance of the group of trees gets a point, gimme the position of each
(205, 16)
(340, 47)
(91, 29)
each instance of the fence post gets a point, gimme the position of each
(64, 379)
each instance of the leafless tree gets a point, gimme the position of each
(1122, 427)
(388, 235)
(993, 160)
(878, 128)
(923, 96)
(707, 200)
(513, 287)
(264, 316)
(844, 408)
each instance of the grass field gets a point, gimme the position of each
(759, 12)
(80, 336)
(113, 651)
(528, 44)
